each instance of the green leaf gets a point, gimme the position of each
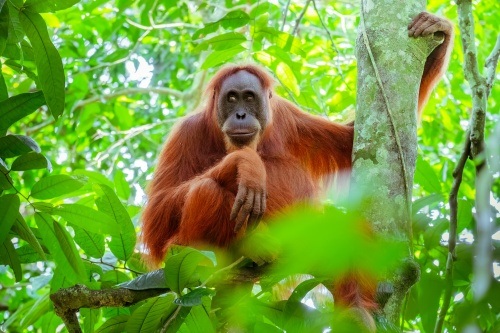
(31, 161)
(87, 218)
(234, 19)
(286, 76)
(48, 62)
(194, 297)
(18, 107)
(16, 33)
(44, 6)
(222, 42)
(180, 267)
(426, 177)
(218, 57)
(91, 243)
(283, 40)
(24, 231)
(464, 215)
(5, 179)
(122, 245)
(114, 325)
(121, 185)
(420, 203)
(15, 145)
(4, 94)
(4, 28)
(8, 256)
(151, 280)
(433, 235)
(9, 204)
(148, 317)
(60, 246)
(198, 321)
(54, 186)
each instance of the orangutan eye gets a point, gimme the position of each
(231, 98)
(249, 97)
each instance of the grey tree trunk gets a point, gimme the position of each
(390, 66)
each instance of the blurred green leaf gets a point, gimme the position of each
(24, 231)
(121, 185)
(426, 177)
(218, 57)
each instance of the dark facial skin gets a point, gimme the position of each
(243, 109)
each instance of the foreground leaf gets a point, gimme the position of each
(9, 209)
(48, 62)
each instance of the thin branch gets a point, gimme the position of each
(128, 91)
(119, 61)
(285, 14)
(491, 66)
(472, 75)
(452, 241)
(301, 15)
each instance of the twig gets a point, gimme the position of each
(472, 75)
(171, 319)
(452, 241)
(112, 266)
(285, 14)
(491, 66)
(119, 61)
(129, 91)
(227, 268)
(301, 15)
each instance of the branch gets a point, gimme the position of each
(67, 301)
(472, 75)
(128, 91)
(491, 66)
(301, 15)
(452, 241)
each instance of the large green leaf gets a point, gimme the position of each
(54, 186)
(122, 245)
(91, 243)
(426, 177)
(24, 231)
(41, 306)
(148, 317)
(151, 280)
(222, 42)
(194, 297)
(44, 6)
(9, 208)
(31, 161)
(18, 107)
(198, 321)
(61, 247)
(5, 179)
(8, 256)
(87, 218)
(15, 145)
(47, 59)
(114, 325)
(180, 267)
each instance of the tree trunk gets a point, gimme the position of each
(390, 66)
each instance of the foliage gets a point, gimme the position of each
(90, 89)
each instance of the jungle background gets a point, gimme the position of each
(89, 91)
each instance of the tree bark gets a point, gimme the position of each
(390, 66)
